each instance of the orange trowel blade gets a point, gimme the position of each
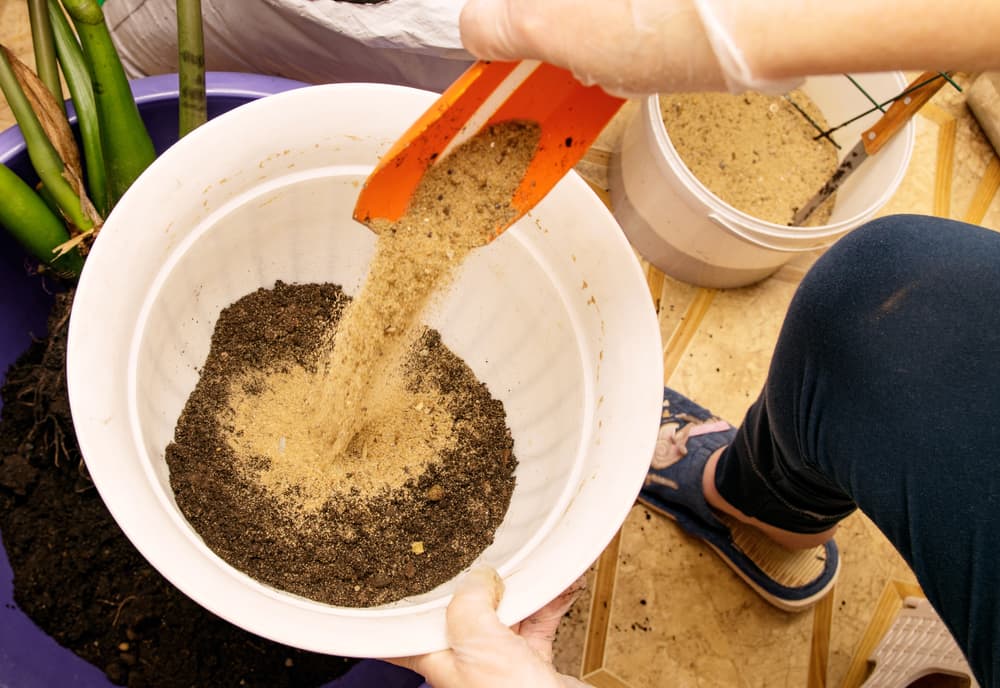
(569, 114)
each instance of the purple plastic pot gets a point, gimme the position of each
(28, 657)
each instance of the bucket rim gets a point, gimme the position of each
(753, 226)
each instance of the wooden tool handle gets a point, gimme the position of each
(901, 111)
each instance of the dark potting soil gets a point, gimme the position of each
(81, 580)
(359, 549)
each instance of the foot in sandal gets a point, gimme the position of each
(789, 570)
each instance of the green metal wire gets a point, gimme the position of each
(876, 106)
(811, 121)
(867, 95)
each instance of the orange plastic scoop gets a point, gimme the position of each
(569, 114)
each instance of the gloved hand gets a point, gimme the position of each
(629, 48)
(486, 654)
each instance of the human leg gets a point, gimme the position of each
(787, 538)
(884, 392)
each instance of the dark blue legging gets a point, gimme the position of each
(884, 394)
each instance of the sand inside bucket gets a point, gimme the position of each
(757, 153)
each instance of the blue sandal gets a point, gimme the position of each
(792, 580)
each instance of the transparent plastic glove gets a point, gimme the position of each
(629, 47)
(486, 654)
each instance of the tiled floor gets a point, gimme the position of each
(661, 608)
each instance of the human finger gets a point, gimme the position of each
(539, 629)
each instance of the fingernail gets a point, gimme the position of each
(486, 577)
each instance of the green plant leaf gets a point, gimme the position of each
(57, 177)
(77, 74)
(128, 149)
(191, 65)
(50, 114)
(34, 225)
(45, 51)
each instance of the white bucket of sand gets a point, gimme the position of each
(554, 317)
(679, 225)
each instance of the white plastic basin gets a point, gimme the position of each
(554, 317)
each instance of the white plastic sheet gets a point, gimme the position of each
(408, 42)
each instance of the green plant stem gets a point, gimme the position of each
(74, 68)
(45, 50)
(44, 157)
(191, 65)
(33, 224)
(128, 150)
(44, 193)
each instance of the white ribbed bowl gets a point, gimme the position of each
(554, 316)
